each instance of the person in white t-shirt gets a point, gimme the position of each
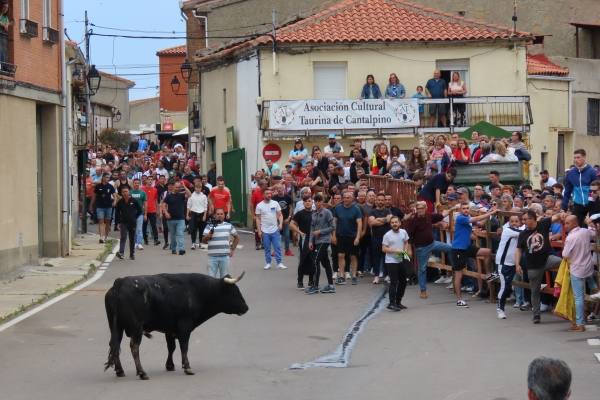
(397, 262)
(269, 221)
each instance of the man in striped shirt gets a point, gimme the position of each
(218, 235)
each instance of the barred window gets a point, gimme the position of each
(593, 117)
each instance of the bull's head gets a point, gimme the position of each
(233, 301)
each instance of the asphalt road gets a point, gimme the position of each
(430, 351)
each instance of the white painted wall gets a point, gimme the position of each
(247, 115)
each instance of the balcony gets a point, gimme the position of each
(28, 28)
(7, 69)
(511, 113)
(50, 35)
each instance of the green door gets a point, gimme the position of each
(234, 172)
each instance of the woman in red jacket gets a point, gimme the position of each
(461, 153)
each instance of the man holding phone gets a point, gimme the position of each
(218, 234)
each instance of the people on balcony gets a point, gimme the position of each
(457, 88)
(380, 159)
(358, 147)
(4, 25)
(298, 154)
(370, 89)
(437, 88)
(419, 95)
(333, 149)
(394, 89)
(516, 143)
(396, 163)
(500, 154)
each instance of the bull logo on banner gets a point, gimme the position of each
(284, 115)
(405, 113)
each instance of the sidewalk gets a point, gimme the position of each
(34, 284)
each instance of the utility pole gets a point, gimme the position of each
(274, 38)
(89, 129)
(514, 17)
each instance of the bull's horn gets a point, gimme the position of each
(233, 281)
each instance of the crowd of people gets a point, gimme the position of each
(323, 204)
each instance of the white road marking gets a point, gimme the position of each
(110, 257)
(340, 358)
(597, 356)
(61, 297)
(593, 342)
(591, 328)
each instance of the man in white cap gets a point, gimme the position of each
(333, 149)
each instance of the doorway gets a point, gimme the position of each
(235, 178)
(40, 180)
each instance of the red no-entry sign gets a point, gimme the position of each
(271, 152)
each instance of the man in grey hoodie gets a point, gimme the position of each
(321, 228)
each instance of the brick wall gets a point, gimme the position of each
(171, 66)
(37, 62)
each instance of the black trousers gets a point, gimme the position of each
(165, 230)
(152, 220)
(305, 265)
(397, 272)
(320, 257)
(127, 231)
(197, 225)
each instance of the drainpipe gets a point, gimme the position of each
(205, 18)
(66, 174)
(570, 105)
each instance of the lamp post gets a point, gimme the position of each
(93, 80)
(175, 84)
(186, 70)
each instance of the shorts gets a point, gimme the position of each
(104, 213)
(438, 108)
(461, 257)
(345, 245)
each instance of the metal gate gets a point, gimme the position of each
(234, 172)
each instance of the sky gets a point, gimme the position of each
(122, 56)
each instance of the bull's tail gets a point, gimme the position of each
(111, 303)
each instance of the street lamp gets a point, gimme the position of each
(116, 114)
(175, 84)
(93, 78)
(186, 70)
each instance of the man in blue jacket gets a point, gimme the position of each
(577, 183)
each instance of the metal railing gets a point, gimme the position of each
(7, 69)
(512, 113)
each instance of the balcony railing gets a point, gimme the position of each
(512, 113)
(28, 28)
(50, 35)
(7, 69)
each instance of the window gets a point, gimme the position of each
(47, 13)
(593, 117)
(329, 80)
(24, 9)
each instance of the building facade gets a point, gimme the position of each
(30, 122)
(173, 89)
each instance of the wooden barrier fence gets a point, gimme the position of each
(403, 192)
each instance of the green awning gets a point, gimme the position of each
(485, 128)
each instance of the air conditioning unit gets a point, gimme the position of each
(28, 28)
(50, 35)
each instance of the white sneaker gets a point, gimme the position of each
(140, 247)
(448, 279)
(267, 266)
(441, 279)
(544, 307)
(501, 314)
(281, 266)
(348, 275)
(387, 279)
(595, 296)
(334, 276)
(203, 246)
(517, 305)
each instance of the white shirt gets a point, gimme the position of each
(551, 181)
(197, 202)
(395, 240)
(268, 216)
(505, 255)
(163, 172)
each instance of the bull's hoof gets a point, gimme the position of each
(188, 371)
(170, 367)
(143, 376)
(120, 374)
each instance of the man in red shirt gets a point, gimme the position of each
(256, 197)
(151, 209)
(220, 197)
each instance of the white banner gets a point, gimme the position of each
(300, 115)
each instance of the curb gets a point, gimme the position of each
(93, 273)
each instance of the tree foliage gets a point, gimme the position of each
(114, 138)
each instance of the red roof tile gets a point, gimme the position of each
(539, 64)
(362, 21)
(180, 50)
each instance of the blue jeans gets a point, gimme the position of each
(423, 254)
(176, 228)
(274, 239)
(578, 285)
(218, 266)
(139, 235)
(286, 236)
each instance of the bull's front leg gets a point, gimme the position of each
(171, 345)
(184, 340)
(135, 352)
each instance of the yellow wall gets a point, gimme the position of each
(18, 173)
(494, 71)
(550, 109)
(212, 111)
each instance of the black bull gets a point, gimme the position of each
(174, 304)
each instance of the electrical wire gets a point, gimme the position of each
(252, 36)
(133, 30)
